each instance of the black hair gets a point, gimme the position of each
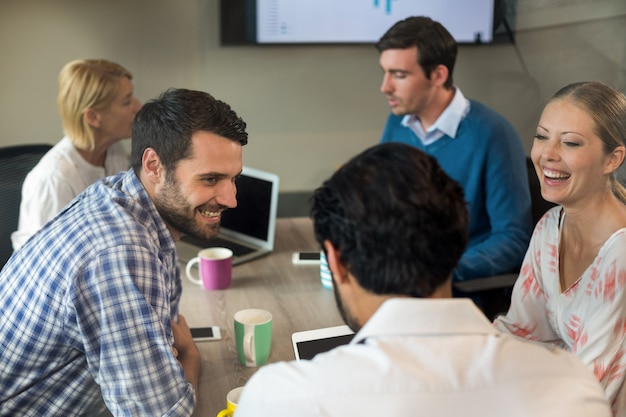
(168, 122)
(435, 45)
(399, 222)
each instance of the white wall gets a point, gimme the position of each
(308, 108)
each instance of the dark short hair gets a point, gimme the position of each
(435, 45)
(399, 222)
(168, 122)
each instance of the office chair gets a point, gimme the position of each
(15, 163)
(495, 291)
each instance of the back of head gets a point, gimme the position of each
(435, 45)
(397, 220)
(607, 108)
(85, 84)
(167, 123)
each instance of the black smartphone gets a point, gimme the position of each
(306, 258)
(200, 334)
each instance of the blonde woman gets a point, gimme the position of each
(571, 291)
(97, 107)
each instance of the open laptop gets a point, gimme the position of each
(247, 230)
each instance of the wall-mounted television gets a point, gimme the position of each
(265, 22)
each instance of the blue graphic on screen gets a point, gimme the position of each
(360, 21)
(387, 5)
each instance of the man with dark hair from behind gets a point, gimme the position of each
(89, 305)
(393, 226)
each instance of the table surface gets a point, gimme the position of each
(292, 293)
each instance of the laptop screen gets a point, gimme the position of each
(251, 216)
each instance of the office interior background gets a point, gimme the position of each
(308, 108)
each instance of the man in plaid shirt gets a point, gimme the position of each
(89, 305)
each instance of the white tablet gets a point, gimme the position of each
(307, 344)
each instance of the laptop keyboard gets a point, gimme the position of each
(238, 250)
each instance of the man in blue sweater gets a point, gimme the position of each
(475, 145)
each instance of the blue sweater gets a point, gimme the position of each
(487, 158)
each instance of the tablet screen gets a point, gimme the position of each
(309, 343)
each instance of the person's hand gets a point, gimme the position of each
(186, 351)
(182, 336)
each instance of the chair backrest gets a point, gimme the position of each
(539, 206)
(15, 162)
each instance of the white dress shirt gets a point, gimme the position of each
(447, 123)
(423, 357)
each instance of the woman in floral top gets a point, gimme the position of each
(571, 291)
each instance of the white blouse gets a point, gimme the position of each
(60, 175)
(587, 319)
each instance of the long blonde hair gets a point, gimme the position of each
(86, 84)
(607, 108)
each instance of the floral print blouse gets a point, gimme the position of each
(588, 318)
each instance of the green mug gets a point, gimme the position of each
(253, 336)
(232, 398)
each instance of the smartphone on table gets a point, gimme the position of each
(203, 334)
(306, 258)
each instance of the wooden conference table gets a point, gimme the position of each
(292, 293)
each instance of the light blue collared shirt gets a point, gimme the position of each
(447, 123)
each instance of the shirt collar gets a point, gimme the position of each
(449, 121)
(425, 316)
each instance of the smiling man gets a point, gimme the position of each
(90, 303)
(475, 145)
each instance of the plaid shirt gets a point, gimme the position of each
(85, 307)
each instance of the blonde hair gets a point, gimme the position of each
(86, 84)
(607, 108)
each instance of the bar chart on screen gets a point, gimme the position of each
(365, 21)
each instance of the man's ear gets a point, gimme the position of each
(151, 166)
(93, 118)
(338, 270)
(439, 75)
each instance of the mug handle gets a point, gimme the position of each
(190, 276)
(224, 413)
(248, 347)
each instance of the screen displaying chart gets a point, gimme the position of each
(365, 21)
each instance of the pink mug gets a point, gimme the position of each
(215, 267)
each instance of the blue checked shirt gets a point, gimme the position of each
(85, 310)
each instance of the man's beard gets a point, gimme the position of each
(178, 214)
(347, 317)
